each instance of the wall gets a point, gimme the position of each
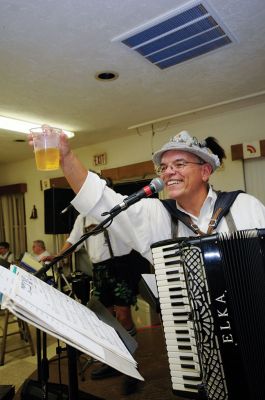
(231, 125)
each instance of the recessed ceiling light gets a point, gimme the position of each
(107, 76)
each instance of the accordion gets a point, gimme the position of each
(212, 300)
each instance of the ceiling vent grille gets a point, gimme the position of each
(179, 36)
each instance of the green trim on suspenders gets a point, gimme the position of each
(221, 209)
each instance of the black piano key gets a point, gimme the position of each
(177, 303)
(192, 378)
(180, 322)
(176, 296)
(180, 339)
(186, 358)
(173, 271)
(182, 347)
(176, 279)
(175, 289)
(188, 366)
(171, 263)
(189, 386)
(180, 314)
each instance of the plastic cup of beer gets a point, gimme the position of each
(46, 147)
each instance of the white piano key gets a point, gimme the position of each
(176, 313)
(180, 386)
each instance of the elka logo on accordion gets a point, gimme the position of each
(212, 297)
(224, 319)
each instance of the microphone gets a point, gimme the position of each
(66, 209)
(155, 186)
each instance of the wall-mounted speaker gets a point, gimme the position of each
(56, 200)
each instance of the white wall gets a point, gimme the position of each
(229, 126)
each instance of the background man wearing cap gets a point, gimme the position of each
(185, 165)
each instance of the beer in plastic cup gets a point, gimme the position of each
(46, 147)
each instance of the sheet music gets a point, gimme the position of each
(150, 280)
(45, 307)
(6, 282)
(30, 263)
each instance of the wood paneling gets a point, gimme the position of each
(60, 182)
(138, 170)
(13, 189)
(262, 148)
(141, 169)
(237, 151)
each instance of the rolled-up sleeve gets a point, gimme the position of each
(141, 225)
(89, 194)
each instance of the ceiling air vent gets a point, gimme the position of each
(178, 36)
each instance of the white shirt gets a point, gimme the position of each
(42, 255)
(8, 257)
(39, 259)
(148, 222)
(96, 245)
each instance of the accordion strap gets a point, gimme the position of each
(221, 209)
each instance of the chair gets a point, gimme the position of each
(23, 331)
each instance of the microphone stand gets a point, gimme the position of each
(71, 352)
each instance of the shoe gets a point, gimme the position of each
(129, 385)
(104, 372)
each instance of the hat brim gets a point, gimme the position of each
(197, 151)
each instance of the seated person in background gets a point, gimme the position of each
(5, 253)
(41, 254)
(39, 250)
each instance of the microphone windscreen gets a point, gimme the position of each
(158, 184)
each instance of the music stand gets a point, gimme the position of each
(43, 374)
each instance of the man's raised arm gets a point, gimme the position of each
(73, 169)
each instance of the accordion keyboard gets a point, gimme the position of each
(176, 316)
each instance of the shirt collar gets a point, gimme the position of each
(207, 206)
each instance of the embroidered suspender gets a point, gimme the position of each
(221, 209)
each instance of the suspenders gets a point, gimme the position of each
(221, 209)
(105, 233)
(106, 236)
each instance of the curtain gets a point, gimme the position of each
(255, 178)
(2, 224)
(13, 223)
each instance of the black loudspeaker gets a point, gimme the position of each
(56, 200)
(7, 392)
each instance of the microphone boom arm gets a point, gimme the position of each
(155, 186)
(94, 231)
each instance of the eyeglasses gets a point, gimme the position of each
(176, 165)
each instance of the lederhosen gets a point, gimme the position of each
(116, 280)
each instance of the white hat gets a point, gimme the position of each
(185, 142)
